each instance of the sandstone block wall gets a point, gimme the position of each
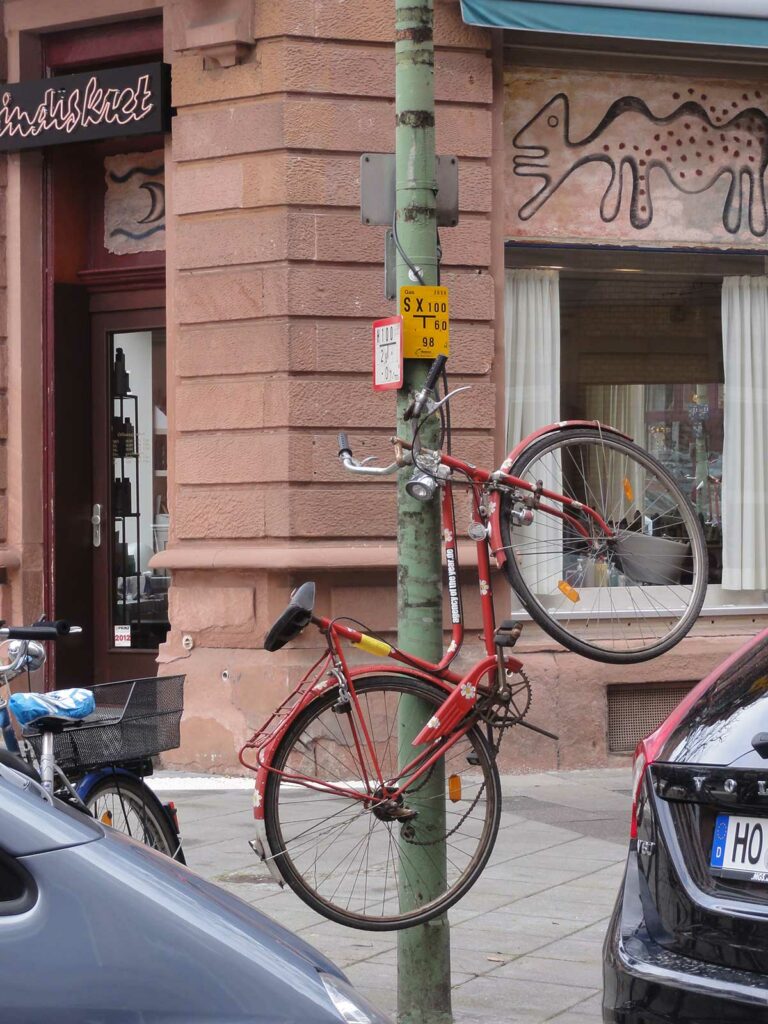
(275, 283)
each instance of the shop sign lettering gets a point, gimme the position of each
(78, 108)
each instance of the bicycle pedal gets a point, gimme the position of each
(508, 633)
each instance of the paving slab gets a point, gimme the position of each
(539, 911)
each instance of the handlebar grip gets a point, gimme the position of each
(42, 631)
(344, 444)
(434, 372)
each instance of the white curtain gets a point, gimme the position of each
(621, 406)
(745, 446)
(532, 345)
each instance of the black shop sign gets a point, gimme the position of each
(91, 105)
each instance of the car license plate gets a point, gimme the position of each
(740, 848)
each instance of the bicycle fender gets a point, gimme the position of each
(86, 784)
(360, 672)
(494, 518)
(553, 428)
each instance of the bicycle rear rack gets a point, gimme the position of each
(271, 730)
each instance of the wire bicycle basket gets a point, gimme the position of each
(135, 719)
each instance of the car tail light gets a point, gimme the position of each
(639, 764)
(648, 749)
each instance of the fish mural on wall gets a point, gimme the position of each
(618, 164)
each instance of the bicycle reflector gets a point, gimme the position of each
(421, 486)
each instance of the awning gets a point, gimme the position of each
(596, 18)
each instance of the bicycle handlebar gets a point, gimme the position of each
(434, 372)
(414, 410)
(354, 465)
(40, 631)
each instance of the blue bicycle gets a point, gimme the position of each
(93, 747)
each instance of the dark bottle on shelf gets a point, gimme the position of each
(120, 381)
(121, 505)
(129, 437)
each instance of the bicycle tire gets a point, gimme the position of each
(128, 805)
(286, 805)
(643, 592)
(17, 762)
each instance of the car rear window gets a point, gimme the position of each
(720, 725)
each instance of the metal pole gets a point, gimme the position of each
(424, 968)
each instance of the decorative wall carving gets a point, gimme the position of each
(134, 204)
(636, 159)
(220, 31)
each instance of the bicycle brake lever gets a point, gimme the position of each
(434, 406)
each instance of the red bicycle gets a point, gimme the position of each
(603, 551)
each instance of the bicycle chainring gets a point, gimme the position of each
(509, 707)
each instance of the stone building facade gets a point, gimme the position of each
(261, 303)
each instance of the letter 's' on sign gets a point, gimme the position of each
(93, 105)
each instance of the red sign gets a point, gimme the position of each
(388, 354)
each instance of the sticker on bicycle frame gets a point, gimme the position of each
(388, 354)
(122, 636)
(425, 314)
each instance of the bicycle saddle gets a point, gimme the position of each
(61, 706)
(293, 619)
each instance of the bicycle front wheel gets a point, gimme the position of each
(621, 595)
(347, 851)
(129, 806)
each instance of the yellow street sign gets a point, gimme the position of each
(424, 309)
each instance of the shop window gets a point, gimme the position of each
(672, 350)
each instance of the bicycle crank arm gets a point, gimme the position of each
(537, 728)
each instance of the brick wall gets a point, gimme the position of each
(275, 283)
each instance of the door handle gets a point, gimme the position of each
(96, 524)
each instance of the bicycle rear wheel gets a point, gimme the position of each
(622, 598)
(129, 806)
(342, 854)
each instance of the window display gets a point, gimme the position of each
(639, 339)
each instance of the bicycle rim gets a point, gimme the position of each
(622, 599)
(337, 854)
(132, 811)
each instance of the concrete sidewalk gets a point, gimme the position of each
(525, 942)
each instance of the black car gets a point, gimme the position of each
(688, 939)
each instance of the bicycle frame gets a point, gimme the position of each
(462, 692)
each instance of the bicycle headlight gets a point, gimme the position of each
(351, 1007)
(421, 486)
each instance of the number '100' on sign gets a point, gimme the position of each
(425, 321)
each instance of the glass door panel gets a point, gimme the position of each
(138, 522)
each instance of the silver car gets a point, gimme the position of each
(98, 929)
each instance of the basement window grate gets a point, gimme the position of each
(634, 711)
